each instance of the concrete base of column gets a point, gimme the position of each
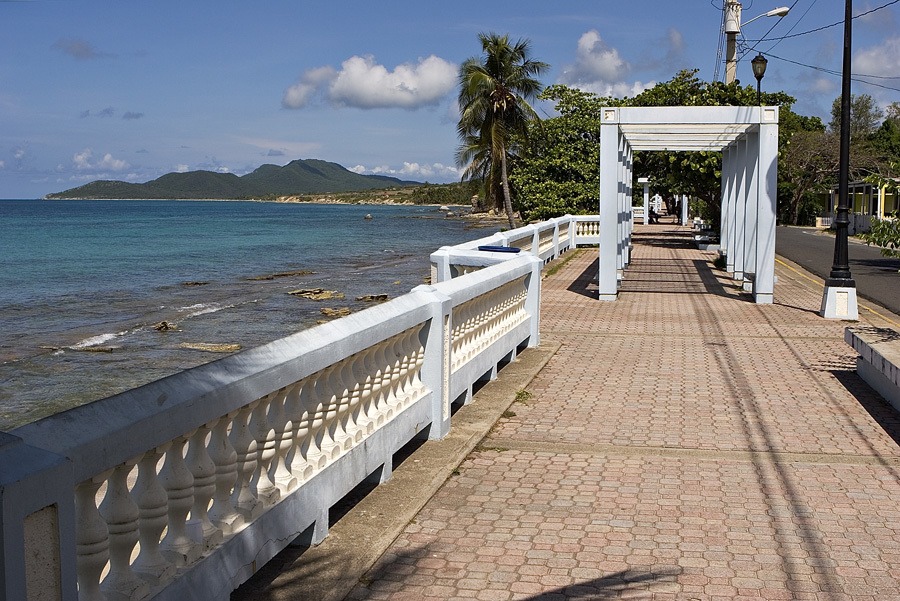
(839, 303)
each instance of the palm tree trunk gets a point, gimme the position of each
(507, 198)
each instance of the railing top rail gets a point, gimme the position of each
(480, 282)
(102, 434)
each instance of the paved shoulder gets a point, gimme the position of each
(876, 276)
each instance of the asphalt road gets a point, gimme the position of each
(877, 277)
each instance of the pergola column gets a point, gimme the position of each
(611, 139)
(751, 204)
(740, 203)
(725, 219)
(767, 209)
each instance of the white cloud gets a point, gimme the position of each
(883, 59)
(83, 161)
(413, 170)
(2, 164)
(80, 49)
(599, 68)
(181, 168)
(595, 60)
(288, 148)
(298, 95)
(363, 83)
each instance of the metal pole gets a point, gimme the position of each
(840, 270)
(758, 92)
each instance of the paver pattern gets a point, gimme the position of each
(683, 443)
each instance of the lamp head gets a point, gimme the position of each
(759, 66)
(781, 11)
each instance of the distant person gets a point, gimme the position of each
(654, 216)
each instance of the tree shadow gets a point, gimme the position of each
(394, 568)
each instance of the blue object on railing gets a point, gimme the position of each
(499, 249)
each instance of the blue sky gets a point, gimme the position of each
(132, 90)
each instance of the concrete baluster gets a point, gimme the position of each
(313, 401)
(176, 478)
(264, 432)
(358, 407)
(222, 513)
(244, 496)
(329, 397)
(370, 374)
(384, 389)
(300, 414)
(285, 434)
(395, 355)
(343, 431)
(121, 514)
(152, 503)
(91, 540)
(203, 469)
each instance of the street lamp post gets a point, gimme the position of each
(733, 26)
(839, 298)
(759, 71)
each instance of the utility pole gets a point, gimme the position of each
(733, 10)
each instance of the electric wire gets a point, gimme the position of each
(795, 35)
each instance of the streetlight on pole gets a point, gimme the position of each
(759, 71)
(839, 298)
(733, 10)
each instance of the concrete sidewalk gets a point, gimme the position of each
(681, 443)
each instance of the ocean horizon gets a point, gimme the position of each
(85, 285)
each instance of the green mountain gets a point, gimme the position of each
(303, 176)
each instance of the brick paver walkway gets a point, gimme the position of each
(683, 443)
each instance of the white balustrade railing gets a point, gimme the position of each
(183, 487)
(546, 240)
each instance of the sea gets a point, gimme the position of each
(85, 285)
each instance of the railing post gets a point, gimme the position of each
(440, 265)
(37, 522)
(436, 366)
(533, 301)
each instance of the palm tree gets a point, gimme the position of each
(494, 90)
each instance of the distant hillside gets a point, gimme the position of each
(303, 176)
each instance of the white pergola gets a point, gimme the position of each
(747, 137)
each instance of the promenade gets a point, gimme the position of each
(680, 443)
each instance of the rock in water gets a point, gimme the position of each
(210, 347)
(317, 294)
(368, 216)
(342, 312)
(372, 298)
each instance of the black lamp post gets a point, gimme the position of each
(840, 282)
(759, 71)
(840, 270)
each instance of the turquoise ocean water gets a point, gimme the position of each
(83, 282)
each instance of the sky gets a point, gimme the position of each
(130, 90)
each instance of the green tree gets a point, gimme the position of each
(494, 90)
(864, 116)
(558, 171)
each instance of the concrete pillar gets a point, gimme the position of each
(684, 209)
(751, 226)
(646, 183)
(726, 220)
(764, 282)
(609, 203)
(740, 200)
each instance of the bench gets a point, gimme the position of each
(879, 359)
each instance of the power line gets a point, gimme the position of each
(796, 35)
(838, 73)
